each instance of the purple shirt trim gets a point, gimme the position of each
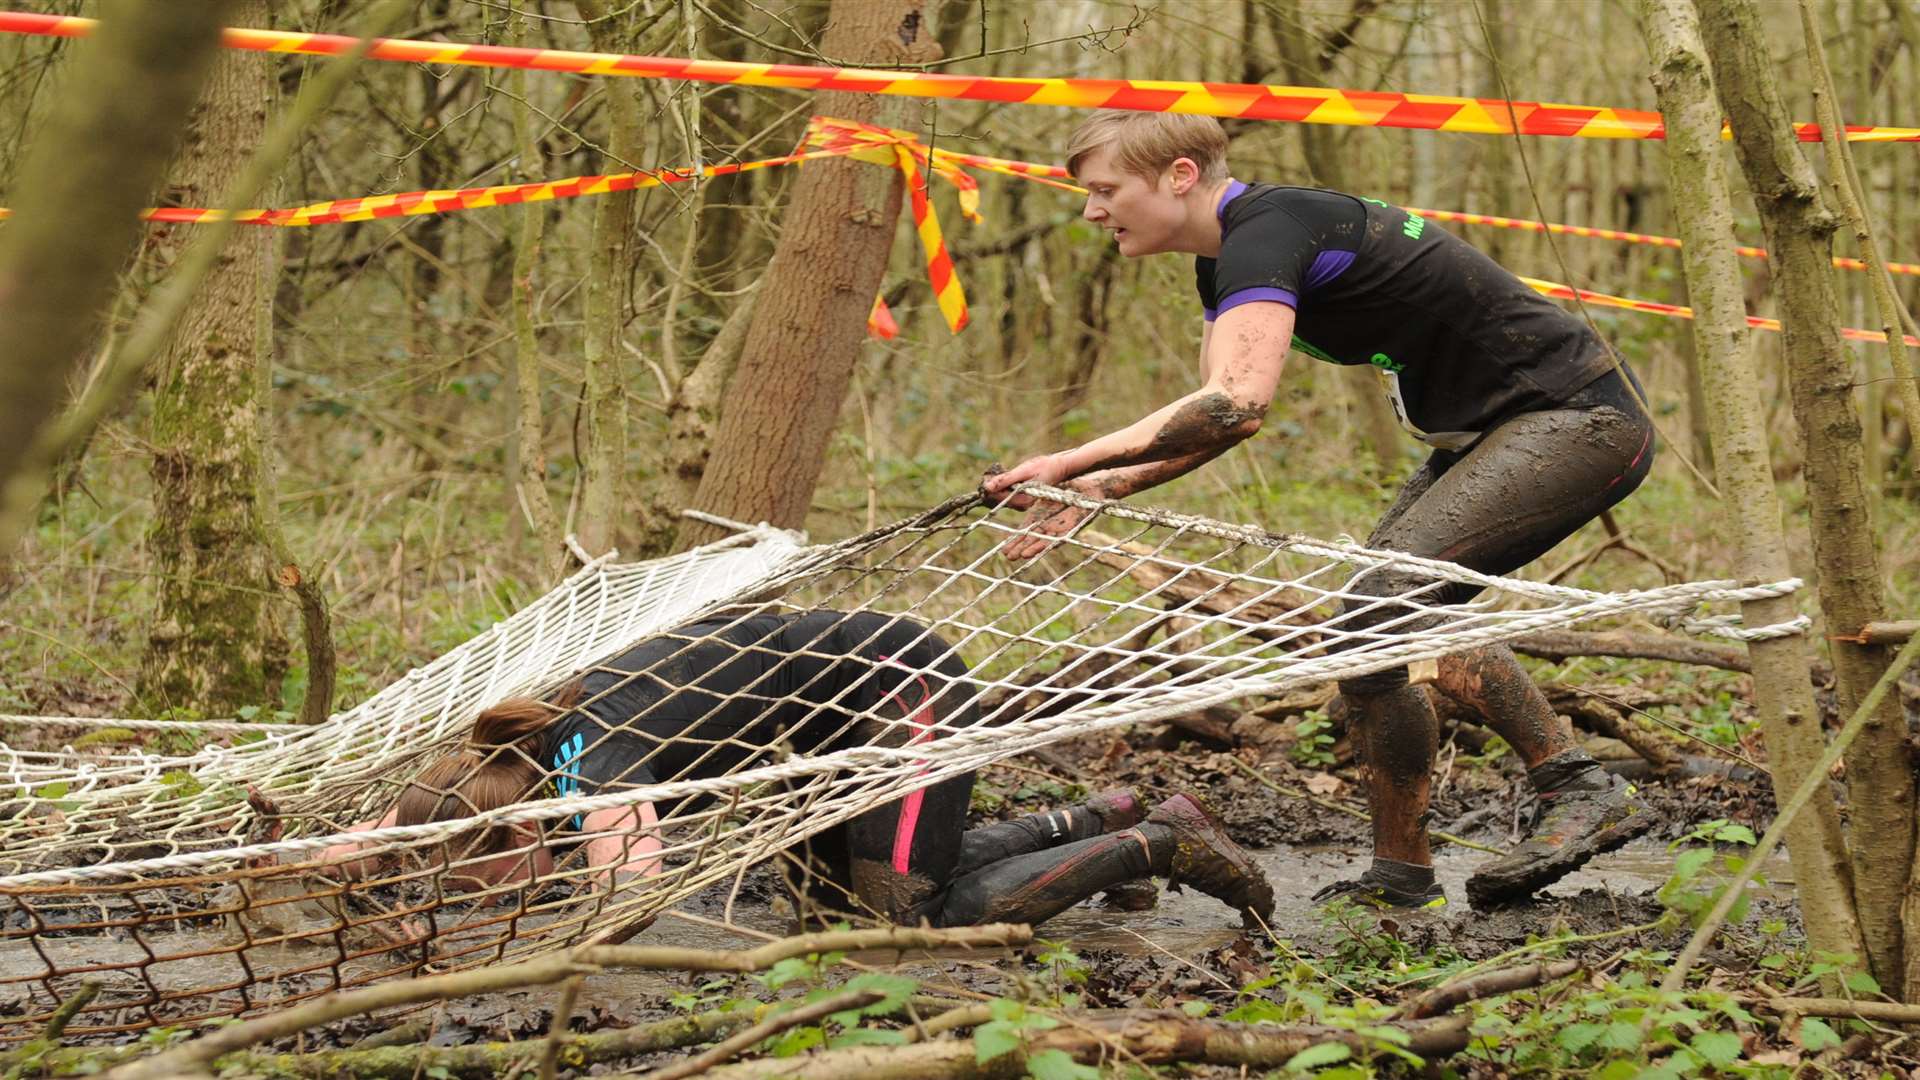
(1210, 313)
(1326, 266)
(1251, 296)
(1235, 189)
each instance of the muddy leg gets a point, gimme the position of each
(1036, 886)
(1492, 682)
(1398, 732)
(1108, 811)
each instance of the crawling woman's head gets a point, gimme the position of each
(499, 766)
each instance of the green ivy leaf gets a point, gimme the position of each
(1196, 1009)
(1577, 1037)
(1255, 1010)
(896, 988)
(1058, 1065)
(1618, 1069)
(797, 1041)
(1313, 1057)
(1862, 983)
(1718, 1048)
(994, 1038)
(1620, 1035)
(1815, 1035)
(1690, 862)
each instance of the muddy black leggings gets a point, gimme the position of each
(1528, 484)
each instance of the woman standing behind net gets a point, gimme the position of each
(713, 697)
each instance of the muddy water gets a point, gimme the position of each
(1184, 924)
(1191, 921)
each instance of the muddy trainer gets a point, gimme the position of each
(1534, 429)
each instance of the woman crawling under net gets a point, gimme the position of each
(711, 698)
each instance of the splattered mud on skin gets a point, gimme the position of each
(1399, 734)
(1492, 682)
(1203, 424)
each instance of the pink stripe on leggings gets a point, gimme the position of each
(922, 718)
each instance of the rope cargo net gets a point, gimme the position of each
(190, 887)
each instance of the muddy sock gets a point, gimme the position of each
(1038, 885)
(1404, 876)
(1561, 769)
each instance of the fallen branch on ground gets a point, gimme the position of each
(772, 1025)
(1449, 996)
(1886, 1012)
(1567, 644)
(406, 1061)
(193, 1056)
(1150, 1038)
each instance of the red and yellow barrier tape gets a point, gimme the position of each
(1303, 104)
(1677, 311)
(1627, 237)
(416, 203)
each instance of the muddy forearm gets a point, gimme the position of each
(1128, 480)
(1203, 425)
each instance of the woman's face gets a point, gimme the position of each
(513, 868)
(1145, 215)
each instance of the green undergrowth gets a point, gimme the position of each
(1608, 1020)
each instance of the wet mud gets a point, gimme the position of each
(1139, 945)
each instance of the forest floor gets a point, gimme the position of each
(1621, 918)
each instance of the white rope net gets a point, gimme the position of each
(156, 876)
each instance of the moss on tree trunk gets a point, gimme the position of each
(212, 645)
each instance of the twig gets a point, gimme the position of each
(192, 1056)
(1852, 198)
(556, 1031)
(772, 1025)
(1449, 996)
(1536, 946)
(1885, 1011)
(1154, 1037)
(1815, 779)
(963, 1016)
(404, 1060)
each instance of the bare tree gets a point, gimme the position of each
(1821, 376)
(609, 266)
(212, 642)
(784, 400)
(1703, 211)
(76, 216)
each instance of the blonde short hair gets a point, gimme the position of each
(1145, 143)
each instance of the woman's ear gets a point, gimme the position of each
(1184, 173)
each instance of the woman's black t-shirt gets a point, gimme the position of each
(1460, 341)
(706, 698)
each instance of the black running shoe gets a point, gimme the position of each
(1593, 813)
(1205, 858)
(1373, 889)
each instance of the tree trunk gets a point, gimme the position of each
(1703, 211)
(1093, 290)
(1379, 432)
(208, 645)
(1821, 375)
(609, 266)
(528, 481)
(784, 400)
(97, 163)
